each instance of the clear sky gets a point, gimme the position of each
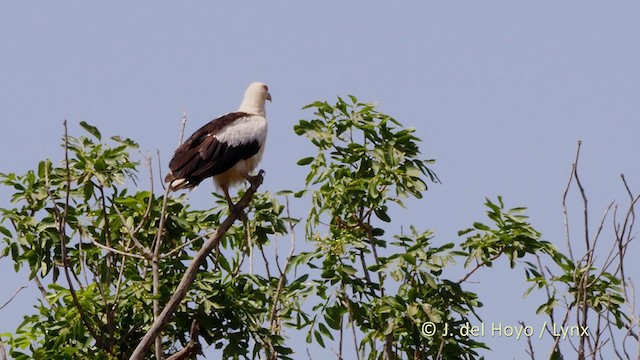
(500, 92)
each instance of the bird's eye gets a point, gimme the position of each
(266, 88)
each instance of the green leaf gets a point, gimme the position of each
(305, 161)
(5, 231)
(91, 129)
(382, 215)
(481, 226)
(318, 337)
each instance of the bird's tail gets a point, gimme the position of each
(176, 184)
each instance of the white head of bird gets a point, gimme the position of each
(254, 99)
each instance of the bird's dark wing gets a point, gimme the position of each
(202, 155)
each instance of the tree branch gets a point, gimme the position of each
(63, 247)
(281, 281)
(478, 266)
(116, 251)
(3, 353)
(155, 268)
(193, 347)
(43, 292)
(190, 274)
(12, 297)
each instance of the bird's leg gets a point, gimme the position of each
(232, 207)
(255, 181)
(228, 198)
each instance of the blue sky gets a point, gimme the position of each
(500, 92)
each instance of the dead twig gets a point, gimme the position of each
(147, 211)
(183, 124)
(13, 296)
(155, 268)
(530, 351)
(3, 353)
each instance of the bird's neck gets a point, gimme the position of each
(250, 107)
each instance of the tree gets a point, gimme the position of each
(125, 254)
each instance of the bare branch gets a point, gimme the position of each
(119, 283)
(116, 251)
(156, 304)
(556, 343)
(3, 353)
(478, 266)
(155, 268)
(183, 124)
(43, 291)
(13, 296)
(347, 304)
(530, 351)
(266, 262)
(341, 337)
(584, 200)
(565, 214)
(160, 169)
(147, 211)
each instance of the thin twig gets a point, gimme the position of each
(182, 246)
(281, 281)
(119, 283)
(585, 202)
(341, 337)
(147, 211)
(3, 353)
(530, 351)
(266, 262)
(565, 213)
(478, 266)
(132, 234)
(247, 234)
(156, 304)
(155, 268)
(629, 222)
(63, 247)
(556, 342)
(183, 124)
(43, 291)
(547, 286)
(13, 296)
(160, 169)
(107, 277)
(116, 251)
(347, 303)
(157, 242)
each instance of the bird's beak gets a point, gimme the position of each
(269, 97)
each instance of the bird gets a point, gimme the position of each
(228, 148)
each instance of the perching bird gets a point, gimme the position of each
(228, 148)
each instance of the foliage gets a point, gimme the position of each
(109, 256)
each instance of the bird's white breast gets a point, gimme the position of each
(244, 130)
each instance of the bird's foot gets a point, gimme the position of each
(256, 180)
